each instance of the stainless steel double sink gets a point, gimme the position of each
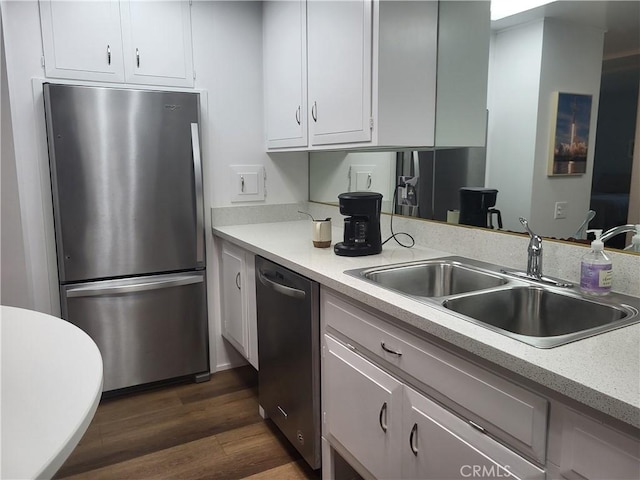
(541, 315)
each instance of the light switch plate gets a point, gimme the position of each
(247, 183)
(361, 178)
(560, 210)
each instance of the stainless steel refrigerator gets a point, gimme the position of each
(126, 179)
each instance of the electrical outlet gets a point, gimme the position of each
(560, 211)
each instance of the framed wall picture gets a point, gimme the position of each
(570, 134)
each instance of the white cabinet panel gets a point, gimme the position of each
(285, 73)
(363, 406)
(234, 325)
(439, 445)
(156, 37)
(81, 39)
(238, 300)
(593, 451)
(146, 42)
(339, 71)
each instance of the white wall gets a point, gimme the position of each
(571, 63)
(329, 174)
(227, 50)
(14, 287)
(512, 100)
(21, 30)
(528, 64)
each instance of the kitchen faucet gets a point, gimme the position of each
(534, 261)
(534, 251)
(612, 232)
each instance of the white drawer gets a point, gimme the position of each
(507, 411)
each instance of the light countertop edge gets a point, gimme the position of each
(602, 372)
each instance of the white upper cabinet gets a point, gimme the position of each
(372, 71)
(285, 73)
(140, 42)
(339, 48)
(82, 40)
(156, 38)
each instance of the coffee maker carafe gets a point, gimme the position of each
(362, 227)
(476, 207)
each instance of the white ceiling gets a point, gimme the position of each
(620, 19)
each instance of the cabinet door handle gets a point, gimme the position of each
(238, 281)
(298, 115)
(137, 58)
(368, 181)
(412, 439)
(389, 350)
(108, 54)
(383, 415)
(314, 112)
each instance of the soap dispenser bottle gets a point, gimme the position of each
(596, 270)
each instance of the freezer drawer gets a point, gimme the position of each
(147, 328)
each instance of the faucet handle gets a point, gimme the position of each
(536, 240)
(525, 224)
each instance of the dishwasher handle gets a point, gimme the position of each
(278, 287)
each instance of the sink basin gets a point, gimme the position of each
(432, 278)
(534, 314)
(540, 315)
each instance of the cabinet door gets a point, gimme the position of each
(363, 406)
(234, 325)
(591, 450)
(156, 37)
(81, 39)
(285, 73)
(339, 70)
(439, 445)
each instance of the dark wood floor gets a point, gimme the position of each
(210, 430)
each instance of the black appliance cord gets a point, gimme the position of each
(393, 234)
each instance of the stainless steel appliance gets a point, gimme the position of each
(476, 207)
(362, 227)
(437, 176)
(289, 355)
(127, 196)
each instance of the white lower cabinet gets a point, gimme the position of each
(392, 431)
(238, 300)
(585, 448)
(364, 408)
(398, 406)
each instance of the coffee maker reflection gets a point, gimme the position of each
(362, 227)
(476, 207)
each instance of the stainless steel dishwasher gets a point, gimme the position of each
(289, 355)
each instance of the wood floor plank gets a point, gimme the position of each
(129, 438)
(289, 471)
(203, 431)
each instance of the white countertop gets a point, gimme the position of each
(51, 387)
(602, 372)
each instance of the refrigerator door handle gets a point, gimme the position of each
(114, 288)
(197, 169)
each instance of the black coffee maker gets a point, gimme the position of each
(362, 227)
(476, 207)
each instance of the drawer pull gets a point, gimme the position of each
(413, 440)
(389, 350)
(383, 414)
(476, 426)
